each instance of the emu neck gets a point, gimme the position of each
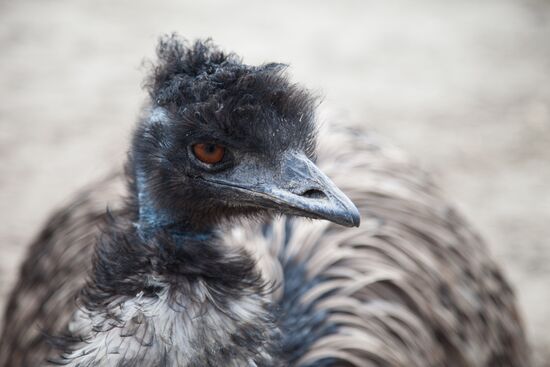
(152, 218)
(179, 298)
(176, 302)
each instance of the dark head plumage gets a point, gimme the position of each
(264, 124)
(213, 91)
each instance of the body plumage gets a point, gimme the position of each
(413, 286)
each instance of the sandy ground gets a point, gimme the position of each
(462, 85)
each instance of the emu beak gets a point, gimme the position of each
(296, 187)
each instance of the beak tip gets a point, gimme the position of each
(355, 218)
(348, 217)
(357, 221)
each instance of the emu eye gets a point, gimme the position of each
(208, 152)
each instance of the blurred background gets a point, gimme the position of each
(463, 86)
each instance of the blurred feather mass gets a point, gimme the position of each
(462, 86)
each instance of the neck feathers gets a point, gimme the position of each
(171, 299)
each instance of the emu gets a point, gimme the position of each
(204, 258)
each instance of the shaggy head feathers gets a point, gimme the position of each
(201, 85)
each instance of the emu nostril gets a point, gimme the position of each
(314, 194)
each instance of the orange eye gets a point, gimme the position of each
(208, 153)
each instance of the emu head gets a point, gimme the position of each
(221, 140)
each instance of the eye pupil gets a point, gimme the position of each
(208, 152)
